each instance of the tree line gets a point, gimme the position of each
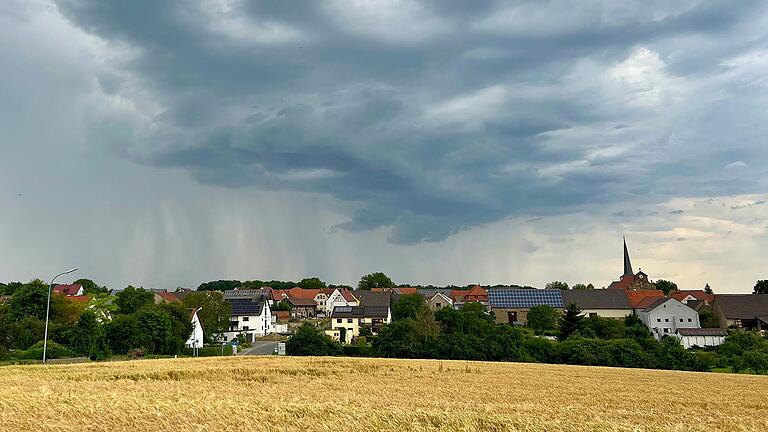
(471, 333)
(106, 325)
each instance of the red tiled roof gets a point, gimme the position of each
(168, 296)
(476, 293)
(79, 299)
(636, 297)
(348, 296)
(67, 290)
(680, 295)
(623, 283)
(302, 293)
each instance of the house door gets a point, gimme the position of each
(511, 317)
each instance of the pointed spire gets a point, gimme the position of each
(627, 263)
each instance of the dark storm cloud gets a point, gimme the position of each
(435, 117)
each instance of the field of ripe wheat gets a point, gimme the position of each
(342, 394)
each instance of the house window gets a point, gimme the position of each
(245, 318)
(681, 320)
(689, 320)
(438, 305)
(245, 328)
(338, 321)
(658, 319)
(349, 320)
(666, 330)
(511, 317)
(593, 314)
(666, 319)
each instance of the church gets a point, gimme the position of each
(631, 281)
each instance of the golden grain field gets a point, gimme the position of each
(343, 394)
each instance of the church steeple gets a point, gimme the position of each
(627, 263)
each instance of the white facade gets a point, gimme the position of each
(607, 313)
(336, 299)
(251, 325)
(196, 338)
(665, 318)
(702, 341)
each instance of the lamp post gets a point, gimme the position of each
(48, 310)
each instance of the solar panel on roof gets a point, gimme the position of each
(523, 298)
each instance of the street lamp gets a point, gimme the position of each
(48, 310)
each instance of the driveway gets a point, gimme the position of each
(260, 348)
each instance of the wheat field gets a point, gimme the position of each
(344, 394)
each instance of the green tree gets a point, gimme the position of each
(761, 287)
(581, 286)
(570, 321)
(666, 286)
(122, 333)
(91, 287)
(542, 318)
(755, 360)
(708, 289)
(309, 341)
(155, 330)
(557, 285)
(132, 299)
(311, 283)
(220, 285)
(409, 306)
(181, 326)
(215, 313)
(707, 318)
(375, 280)
(30, 300)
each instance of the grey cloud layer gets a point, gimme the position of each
(434, 117)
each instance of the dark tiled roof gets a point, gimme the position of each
(302, 302)
(524, 298)
(246, 306)
(702, 332)
(742, 306)
(428, 293)
(243, 293)
(650, 303)
(360, 312)
(371, 298)
(597, 299)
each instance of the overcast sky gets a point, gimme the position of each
(170, 143)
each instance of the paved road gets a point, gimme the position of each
(259, 348)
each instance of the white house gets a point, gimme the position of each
(664, 316)
(703, 337)
(339, 298)
(196, 338)
(250, 317)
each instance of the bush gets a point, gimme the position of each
(136, 353)
(53, 351)
(209, 351)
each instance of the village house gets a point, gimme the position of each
(437, 298)
(249, 317)
(69, 290)
(749, 311)
(600, 303)
(339, 297)
(476, 294)
(664, 316)
(196, 339)
(511, 305)
(695, 299)
(302, 308)
(347, 322)
(702, 337)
